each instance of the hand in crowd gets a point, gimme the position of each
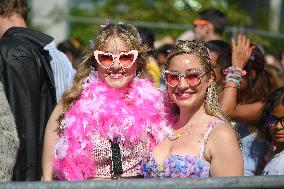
(241, 51)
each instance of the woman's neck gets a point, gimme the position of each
(279, 146)
(186, 116)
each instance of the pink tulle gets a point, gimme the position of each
(134, 113)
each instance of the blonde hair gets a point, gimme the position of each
(197, 48)
(125, 32)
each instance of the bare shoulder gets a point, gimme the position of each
(222, 141)
(57, 111)
(223, 132)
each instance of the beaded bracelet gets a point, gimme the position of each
(237, 81)
(231, 86)
(233, 74)
(233, 70)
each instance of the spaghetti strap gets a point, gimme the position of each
(211, 125)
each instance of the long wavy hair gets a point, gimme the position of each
(276, 98)
(125, 32)
(199, 49)
(260, 86)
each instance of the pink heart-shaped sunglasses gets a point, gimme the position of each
(106, 59)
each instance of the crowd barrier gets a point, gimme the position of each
(256, 182)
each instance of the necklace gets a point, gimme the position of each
(173, 137)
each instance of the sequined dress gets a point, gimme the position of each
(132, 156)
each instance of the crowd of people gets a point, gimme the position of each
(125, 108)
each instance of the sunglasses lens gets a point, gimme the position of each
(271, 120)
(172, 79)
(282, 122)
(105, 59)
(126, 59)
(193, 78)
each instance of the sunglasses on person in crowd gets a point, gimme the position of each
(192, 77)
(272, 121)
(106, 59)
(200, 22)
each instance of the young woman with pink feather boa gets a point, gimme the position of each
(110, 118)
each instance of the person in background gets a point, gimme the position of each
(247, 86)
(216, 49)
(274, 59)
(271, 126)
(274, 66)
(34, 75)
(209, 25)
(62, 69)
(72, 52)
(161, 56)
(28, 82)
(9, 141)
(148, 38)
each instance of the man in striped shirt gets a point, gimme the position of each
(33, 72)
(63, 71)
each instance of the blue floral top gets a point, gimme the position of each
(178, 166)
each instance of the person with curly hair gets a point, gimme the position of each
(110, 117)
(203, 144)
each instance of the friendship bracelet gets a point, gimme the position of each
(237, 81)
(232, 69)
(231, 86)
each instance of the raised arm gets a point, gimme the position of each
(241, 52)
(50, 138)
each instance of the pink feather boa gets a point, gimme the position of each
(133, 113)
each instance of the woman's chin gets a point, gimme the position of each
(185, 103)
(118, 83)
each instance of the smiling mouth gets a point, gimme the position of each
(116, 75)
(183, 95)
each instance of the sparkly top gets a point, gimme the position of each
(131, 155)
(179, 166)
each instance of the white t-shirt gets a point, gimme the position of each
(275, 165)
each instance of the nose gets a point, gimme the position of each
(116, 64)
(182, 84)
(278, 126)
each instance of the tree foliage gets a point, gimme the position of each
(155, 14)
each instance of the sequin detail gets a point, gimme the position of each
(131, 155)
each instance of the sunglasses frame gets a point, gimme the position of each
(278, 119)
(97, 53)
(198, 70)
(200, 22)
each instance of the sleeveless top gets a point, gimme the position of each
(179, 166)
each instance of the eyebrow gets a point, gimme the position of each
(185, 70)
(113, 53)
(274, 115)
